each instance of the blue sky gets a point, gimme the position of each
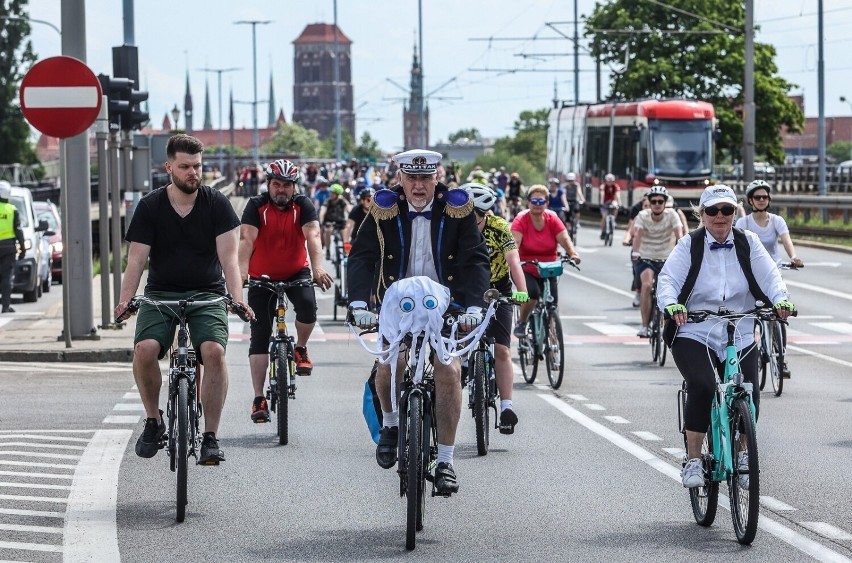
(190, 34)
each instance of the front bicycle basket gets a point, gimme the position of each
(549, 269)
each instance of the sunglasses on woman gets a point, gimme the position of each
(537, 201)
(727, 211)
(760, 197)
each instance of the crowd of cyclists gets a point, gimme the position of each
(490, 224)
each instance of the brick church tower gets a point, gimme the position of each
(411, 112)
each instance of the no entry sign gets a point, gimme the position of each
(60, 96)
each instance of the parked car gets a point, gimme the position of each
(32, 273)
(844, 167)
(47, 211)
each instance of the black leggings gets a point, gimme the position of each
(534, 286)
(263, 301)
(700, 371)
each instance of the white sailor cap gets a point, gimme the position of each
(418, 161)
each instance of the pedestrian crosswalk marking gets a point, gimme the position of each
(842, 328)
(648, 436)
(612, 329)
(121, 419)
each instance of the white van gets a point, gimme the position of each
(32, 273)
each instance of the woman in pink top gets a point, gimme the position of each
(537, 233)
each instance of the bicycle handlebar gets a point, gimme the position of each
(762, 313)
(562, 258)
(789, 266)
(138, 300)
(275, 286)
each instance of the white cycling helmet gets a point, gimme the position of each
(757, 185)
(657, 190)
(483, 197)
(571, 177)
(609, 178)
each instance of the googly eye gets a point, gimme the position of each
(406, 304)
(430, 302)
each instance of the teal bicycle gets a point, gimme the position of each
(729, 452)
(543, 340)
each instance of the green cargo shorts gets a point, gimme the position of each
(160, 323)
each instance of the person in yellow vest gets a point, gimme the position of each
(10, 231)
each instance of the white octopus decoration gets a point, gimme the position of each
(416, 306)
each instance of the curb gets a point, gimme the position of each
(823, 246)
(89, 356)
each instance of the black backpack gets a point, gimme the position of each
(696, 251)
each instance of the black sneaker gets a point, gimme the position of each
(386, 450)
(8, 310)
(446, 482)
(508, 420)
(210, 452)
(153, 437)
(785, 371)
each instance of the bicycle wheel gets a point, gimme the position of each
(182, 453)
(426, 456)
(480, 400)
(535, 346)
(776, 359)
(554, 350)
(763, 359)
(282, 374)
(610, 230)
(654, 339)
(705, 500)
(744, 484)
(413, 467)
(336, 301)
(526, 354)
(661, 345)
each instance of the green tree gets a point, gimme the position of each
(840, 150)
(672, 54)
(294, 139)
(16, 58)
(368, 148)
(472, 134)
(328, 148)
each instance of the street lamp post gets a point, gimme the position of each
(175, 117)
(256, 137)
(221, 150)
(843, 99)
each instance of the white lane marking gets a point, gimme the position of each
(5, 320)
(824, 264)
(90, 527)
(22, 498)
(577, 397)
(629, 294)
(812, 318)
(647, 436)
(50, 446)
(582, 317)
(129, 407)
(236, 328)
(30, 546)
(819, 289)
(37, 464)
(33, 513)
(820, 356)
(612, 329)
(826, 530)
(842, 328)
(541, 386)
(34, 529)
(136, 395)
(773, 503)
(10, 485)
(49, 431)
(32, 475)
(594, 407)
(38, 454)
(676, 453)
(122, 419)
(617, 419)
(797, 540)
(37, 437)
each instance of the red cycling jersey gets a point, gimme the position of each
(279, 250)
(608, 192)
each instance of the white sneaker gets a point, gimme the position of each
(692, 474)
(742, 465)
(637, 300)
(644, 332)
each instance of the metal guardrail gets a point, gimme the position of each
(829, 207)
(802, 179)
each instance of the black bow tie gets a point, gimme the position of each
(425, 214)
(717, 245)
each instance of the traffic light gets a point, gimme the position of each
(125, 64)
(118, 92)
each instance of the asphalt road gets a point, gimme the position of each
(590, 474)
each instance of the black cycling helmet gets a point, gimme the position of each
(756, 185)
(366, 192)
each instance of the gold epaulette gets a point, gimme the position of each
(459, 203)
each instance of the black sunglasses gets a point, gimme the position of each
(760, 197)
(656, 201)
(727, 211)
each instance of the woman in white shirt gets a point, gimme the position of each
(721, 282)
(769, 227)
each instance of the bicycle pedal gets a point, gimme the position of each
(209, 462)
(444, 494)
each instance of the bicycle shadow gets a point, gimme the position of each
(341, 545)
(714, 542)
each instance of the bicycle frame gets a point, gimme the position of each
(185, 368)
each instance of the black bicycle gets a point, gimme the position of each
(657, 321)
(183, 407)
(282, 358)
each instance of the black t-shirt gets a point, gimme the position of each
(514, 187)
(637, 207)
(335, 210)
(183, 249)
(357, 214)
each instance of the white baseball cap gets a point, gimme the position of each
(719, 193)
(571, 177)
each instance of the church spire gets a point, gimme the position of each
(187, 107)
(208, 119)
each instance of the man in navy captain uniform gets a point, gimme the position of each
(420, 228)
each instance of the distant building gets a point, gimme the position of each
(805, 145)
(314, 87)
(411, 112)
(464, 151)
